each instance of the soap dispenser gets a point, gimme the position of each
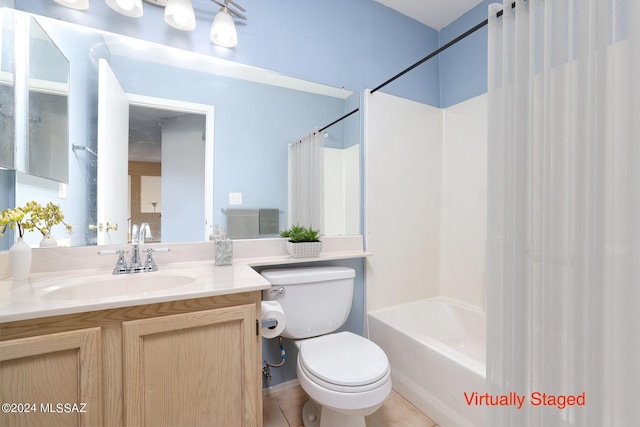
(224, 248)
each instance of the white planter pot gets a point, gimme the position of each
(20, 260)
(304, 249)
(48, 242)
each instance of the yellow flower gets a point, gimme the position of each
(31, 216)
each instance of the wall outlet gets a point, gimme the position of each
(235, 198)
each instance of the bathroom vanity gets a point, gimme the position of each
(194, 362)
(188, 354)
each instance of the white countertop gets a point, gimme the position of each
(28, 299)
(36, 297)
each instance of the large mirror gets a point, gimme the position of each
(233, 154)
(34, 87)
(7, 95)
(47, 135)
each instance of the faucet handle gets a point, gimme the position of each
(121, 265)
(107, 252)
(150, 263)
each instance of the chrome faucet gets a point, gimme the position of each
(138, 234)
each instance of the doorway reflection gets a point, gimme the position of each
(166, 149)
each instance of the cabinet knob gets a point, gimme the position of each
(113, 227)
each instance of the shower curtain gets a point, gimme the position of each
(306, 180)
(563, 268)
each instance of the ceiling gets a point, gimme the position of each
(436, 14)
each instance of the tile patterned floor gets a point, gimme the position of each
(283, 408)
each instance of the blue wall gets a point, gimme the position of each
(463, 66)
(356, 44)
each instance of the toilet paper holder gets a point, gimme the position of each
(269, 323)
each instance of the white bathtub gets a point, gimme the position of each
(436, 348)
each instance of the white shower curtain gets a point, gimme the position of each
(563, 268)
(306, 180)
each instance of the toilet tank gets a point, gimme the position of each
(315, 300)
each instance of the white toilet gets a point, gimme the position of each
(347, 376)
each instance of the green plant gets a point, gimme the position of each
(298, 233)
(32, 216)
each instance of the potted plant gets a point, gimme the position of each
(27, 218)
(302, 242)
(45, 217)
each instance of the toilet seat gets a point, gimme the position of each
(344, 362)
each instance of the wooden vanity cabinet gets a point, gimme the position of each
(51, 379)
(191, 362)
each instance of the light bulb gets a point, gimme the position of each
(179, 14)
(132, 8)
(125, 4)
(223, 29)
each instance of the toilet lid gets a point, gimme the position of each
(344, 359)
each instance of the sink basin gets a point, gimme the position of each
(112, 286)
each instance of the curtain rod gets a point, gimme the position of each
(339, 120)
(334, 122)
(441, 49)
(423, 60)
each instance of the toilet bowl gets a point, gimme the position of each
(346, 376)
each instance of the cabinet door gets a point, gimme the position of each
(193, 369)
(52, 380)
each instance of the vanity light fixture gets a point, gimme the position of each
(74, 4)
(179, 14)
(132, 8)
(223, 29)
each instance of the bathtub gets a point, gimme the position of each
(436, 348)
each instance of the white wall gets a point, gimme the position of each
(342, 191)
(463, 216)
(403, 151)
(333, 192)
(352, 188)
(425, 200)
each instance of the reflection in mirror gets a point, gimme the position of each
(178, 137)
(257, 113)
(48, 83)
(166, 149)
(342, 174)
(145, 167)
(324, 170)
(7, 97)
(7, 197)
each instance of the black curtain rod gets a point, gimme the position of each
(340, 119)
(440, 49)
(423, 60)
(336, 121)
